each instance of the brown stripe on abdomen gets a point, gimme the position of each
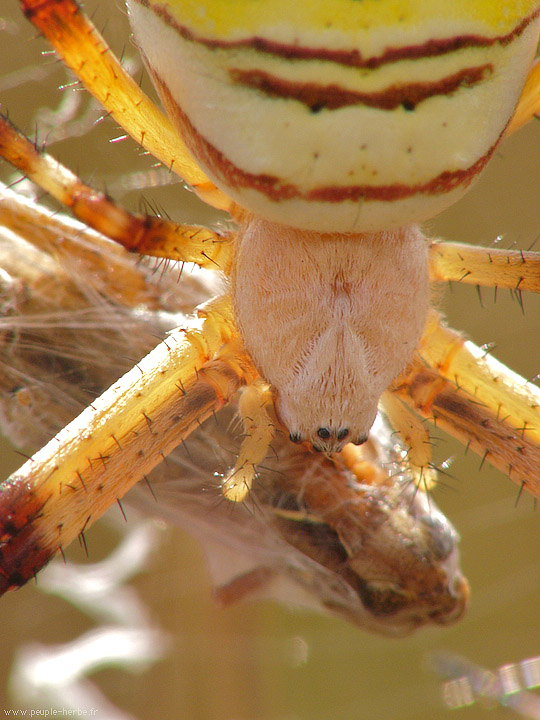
(332, 97)
(277, 190)
(443, 183)
(434, 47)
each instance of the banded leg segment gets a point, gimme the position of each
(489, 267)
(146, 235)
(125, 433)
(83, 49)
(477, 399)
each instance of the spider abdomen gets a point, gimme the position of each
(329, 321)
(340, 116)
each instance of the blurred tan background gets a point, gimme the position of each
(240, 663)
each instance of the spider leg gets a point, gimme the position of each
(259, 431)
(83, 49)
(514, 269)
(529, 102)
(138, 233)
(415, 436)
(295, 538)
(118, 439)
(113, 276)
(476, 399)
(481, 402)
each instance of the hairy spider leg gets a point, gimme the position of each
(117, 440)
(83, 49)
(143, 234)
(488, 267)
(461, 388)
(507, 407)
(253, 407)
(511, 404)
(474, 397)
(416, 437)
(113, 277)
(48, 25)
(152, 236)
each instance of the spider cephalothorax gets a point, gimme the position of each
(345, 338)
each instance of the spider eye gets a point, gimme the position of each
(295, 437)
(361, 440)
(342, 434)
(323, 433)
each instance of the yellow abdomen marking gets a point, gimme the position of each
(240, 18)
(348, 115)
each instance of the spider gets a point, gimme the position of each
(321, 385)
(311, 512)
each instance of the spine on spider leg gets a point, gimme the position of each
(126, 432)
(485, 266)
(477, 399)
(115, 273)
(415, 436)
(143, 234)
(83, 49)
